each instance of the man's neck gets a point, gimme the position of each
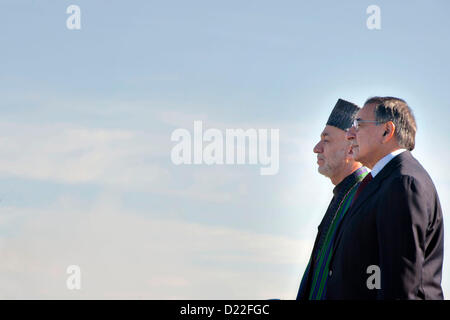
(345, 173)
(384, 161)
(380, 156)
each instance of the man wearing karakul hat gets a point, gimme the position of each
(335, 162)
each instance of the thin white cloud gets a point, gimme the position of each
(123, 254)
(72, 154)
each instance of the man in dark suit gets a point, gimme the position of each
(390, 242)
(336, 163)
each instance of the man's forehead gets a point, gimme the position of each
(329, 131)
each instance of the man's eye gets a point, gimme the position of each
(325, 140)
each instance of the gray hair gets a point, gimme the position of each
(396, 110)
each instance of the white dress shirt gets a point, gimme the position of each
(384, 161)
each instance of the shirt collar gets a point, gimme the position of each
(384, 161)
(349, 181)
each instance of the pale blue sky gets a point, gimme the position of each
(86, 118)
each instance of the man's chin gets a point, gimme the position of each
(355, 155)
(322, 171)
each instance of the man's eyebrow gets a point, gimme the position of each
(324, 134)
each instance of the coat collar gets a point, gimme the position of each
(372, 187)
(349, 181)
(381, 175)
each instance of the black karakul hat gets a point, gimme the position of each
(343, 114)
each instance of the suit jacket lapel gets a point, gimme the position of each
(369, 190)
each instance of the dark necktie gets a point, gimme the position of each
(362, 185)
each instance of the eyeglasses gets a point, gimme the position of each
(357, 122)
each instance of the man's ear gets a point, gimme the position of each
(389, 131)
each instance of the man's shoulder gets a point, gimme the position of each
(405, 165)
(410, 175)
(412, 170)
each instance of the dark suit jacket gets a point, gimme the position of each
(395, 224)
(339, 193)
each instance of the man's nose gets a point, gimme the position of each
(318, 147)
(351, 133)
